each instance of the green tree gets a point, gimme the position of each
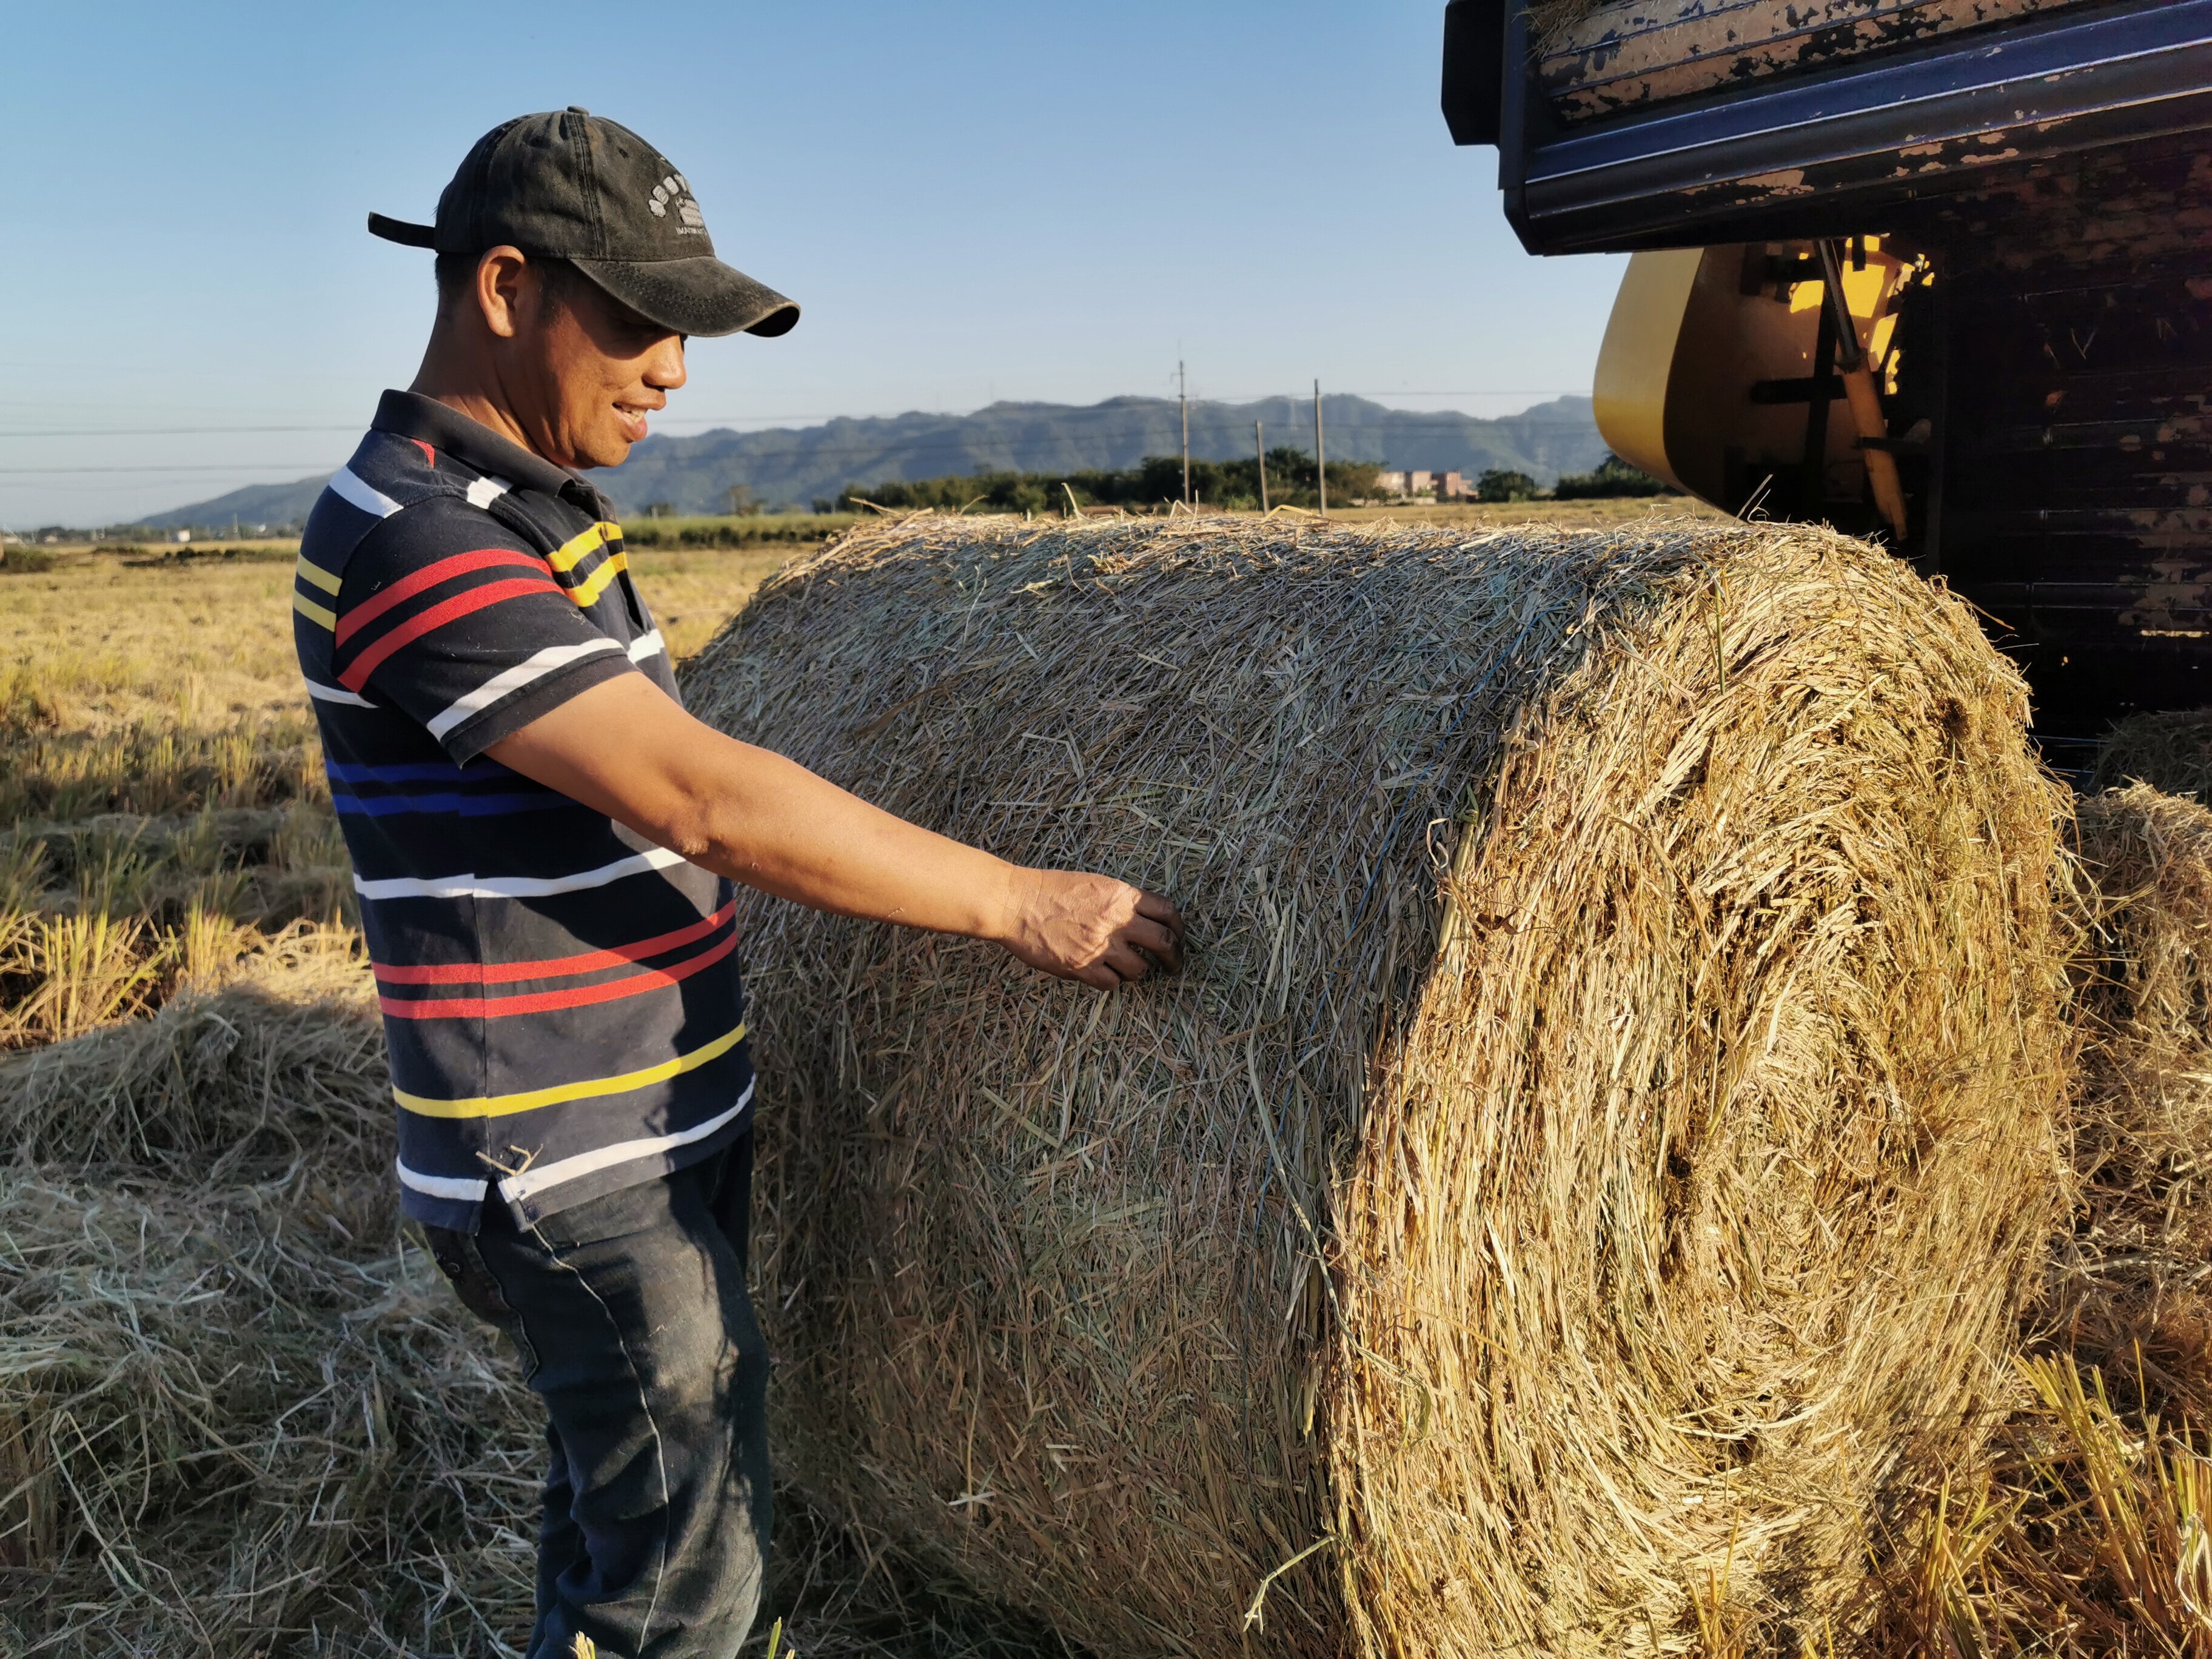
(1150, 486)
(1497, 484)
(1614, 478)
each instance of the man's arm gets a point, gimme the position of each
(624, 748)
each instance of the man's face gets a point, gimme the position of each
(592, 369)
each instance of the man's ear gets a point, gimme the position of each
(504, 293)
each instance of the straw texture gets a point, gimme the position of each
(2133, 1284)
(2169, 750)
(1591, 1165)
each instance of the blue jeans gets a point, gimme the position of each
(635, 1329)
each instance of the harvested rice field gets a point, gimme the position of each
(240, 1414)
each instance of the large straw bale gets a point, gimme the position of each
(1591, 1163)
(2133, 1284)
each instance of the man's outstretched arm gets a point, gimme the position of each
(624, 748)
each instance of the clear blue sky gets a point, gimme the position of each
(972, 200)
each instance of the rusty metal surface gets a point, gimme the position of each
(1638, 53)
(1876, 148)
(2080, 463)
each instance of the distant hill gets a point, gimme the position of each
(799, 465)
(274, 505)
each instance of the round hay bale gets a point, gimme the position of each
(1583, 1181)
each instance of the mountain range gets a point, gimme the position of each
(799, 466)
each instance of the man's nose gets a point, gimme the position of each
(664, 366)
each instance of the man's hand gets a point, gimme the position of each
(626, 749)
(1102, 931)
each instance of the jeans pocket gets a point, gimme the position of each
(463, 1263)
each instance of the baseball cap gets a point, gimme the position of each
(572, 186)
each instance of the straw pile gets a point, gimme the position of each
(2132, 1288)
(232, 1414)
(218, 1084)
(2170, 751)
(240, 1412)
(233, 1406)
(1586, 1174)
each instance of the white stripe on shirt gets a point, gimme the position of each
(348, 488)
(486, 490)
(469, 886)
(646, 645)
(507, 681)
(458, 1187)
(336, 694)
(516, 1187)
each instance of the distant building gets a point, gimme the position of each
(1445, 486)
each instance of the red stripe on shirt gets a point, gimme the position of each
(430, 576)
(506, 972)
(445, 611)
(539, 1002)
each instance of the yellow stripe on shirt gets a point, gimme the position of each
(313, 612)
(587, 591)
(573, 551)
(590, 1088)
(315, 576)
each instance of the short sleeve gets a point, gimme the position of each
(448, 615)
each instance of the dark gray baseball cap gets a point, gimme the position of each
(576, 186)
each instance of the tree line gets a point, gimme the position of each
(1293, 480)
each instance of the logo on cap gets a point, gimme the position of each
(676, 190)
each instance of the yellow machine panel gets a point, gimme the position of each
(1704, 379)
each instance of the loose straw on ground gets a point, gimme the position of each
(1591, 1166)
(2169, 750)
(2132, 1287)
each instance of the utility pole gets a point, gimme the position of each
(1260, 443)
(1182, 396)
(1320, 451)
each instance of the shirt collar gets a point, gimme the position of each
(410, 415)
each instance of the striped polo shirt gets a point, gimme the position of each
(561, 997)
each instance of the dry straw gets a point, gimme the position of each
(240, 1416)
(234, 1412)
(2087, 1534)
(216, 1084)
(2133, 1285)
(2170, 751)
(1589, 1170)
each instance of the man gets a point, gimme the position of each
(543, 844)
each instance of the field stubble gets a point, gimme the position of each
(238, 1413)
